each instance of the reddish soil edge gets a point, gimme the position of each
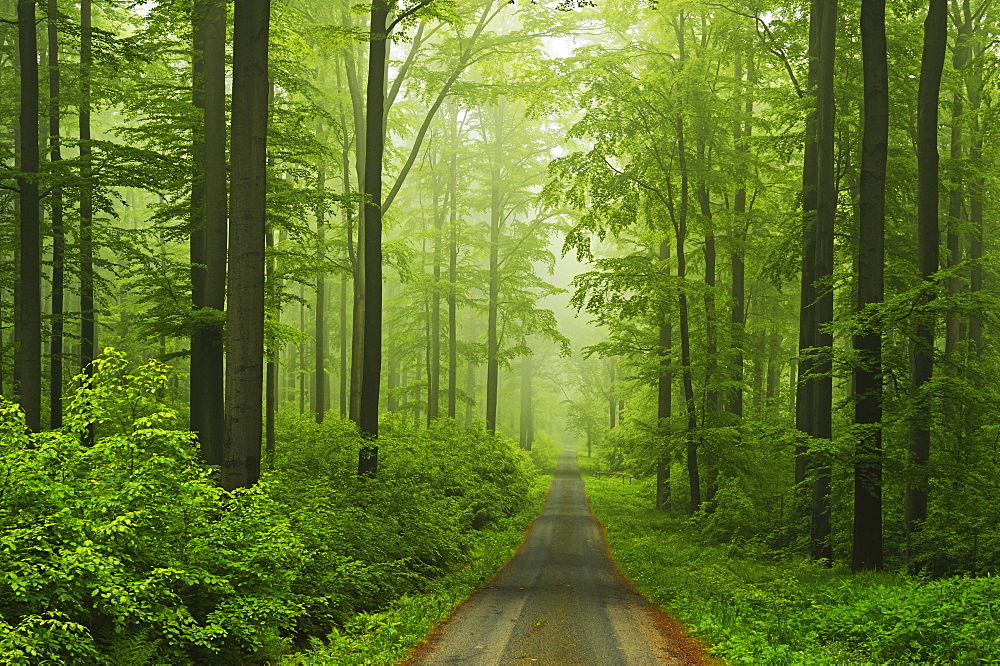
(434, 636)
(693, 650)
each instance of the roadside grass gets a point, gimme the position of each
(387, 636)
(753, 611)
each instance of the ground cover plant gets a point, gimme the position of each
(126, 551)
(776, 611)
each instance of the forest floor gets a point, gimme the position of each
(560, 600)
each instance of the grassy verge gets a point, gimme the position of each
(387, 636)
(762, 612)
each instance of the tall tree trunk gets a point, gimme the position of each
(434, 334)
(209, 228)
(342, 394)
(372, 260)
(713, 398)
(867, 533)
(271, 369)
(526, 430)
(680, 230)
(664, 395)
(805, 395)
(321, 383)
(28, 327)
(245, 330)
(974, 87)
(826, 212)
(928, 95)
(737, 252)
(470, 392)
(496, 214)
(453, 271)
(88, 317)
(612, 399)
(58, 230)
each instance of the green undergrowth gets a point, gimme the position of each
(386, 637)
(125, 550)
(755, 611)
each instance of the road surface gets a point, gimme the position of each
(560, 601)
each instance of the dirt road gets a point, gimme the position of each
(560, 600)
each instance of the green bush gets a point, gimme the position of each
(754, 611)
(126, 551)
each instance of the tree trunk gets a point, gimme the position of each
(470, 391)
(928, 94)
(88, 317)
(526, 430)
(342, 394)
(493, 342)
(737, 252)
(826, 212)
(664, 395)
(453, 276)
(28, 328)
(271, 370)
(321, 383)
(209, 228)
(680, 229)
(434, 355)
(58, 230)
(867, 533)
(374, 147)
(245, 330)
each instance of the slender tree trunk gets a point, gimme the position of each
(527, 416)
(434, 334)
(343, 348)
(737, 315)
(470, 392)
(88, 317)
(271, 369)
(209, 228)
(58, 230)
(245, 331)
(612, 399)
(321, 385)
(680, 229)
(496, 215)
(453, 274)
(867, 534)
(805, 399)
(974, 86)
(928, 95)
(374, 147)
(664, 396)
(826, 212)
(28, 327)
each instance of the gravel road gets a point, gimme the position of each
(560, 600)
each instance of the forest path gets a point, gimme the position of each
(560, 600)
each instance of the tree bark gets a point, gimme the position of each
(321, 383)
(374, 147)
(88, 317)
(826, 212)
(245, 329)
(526, 430)
(664, 395)
(453, 276)
(928, 94)
(867, 532)
(680, 230)
(209, 228)
(496, 214)
(28, 326)
(58, 230)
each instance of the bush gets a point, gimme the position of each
(127, 551)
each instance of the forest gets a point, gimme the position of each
(300, 300)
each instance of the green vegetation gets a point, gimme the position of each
(128, 552)
(786, 610)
